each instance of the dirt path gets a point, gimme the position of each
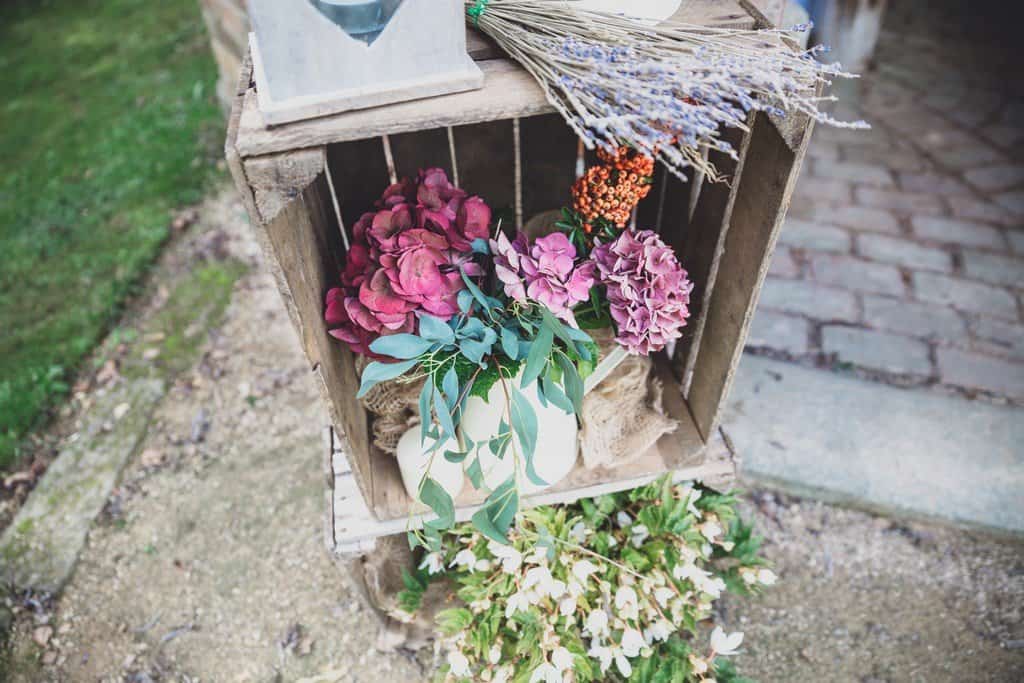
(209, 563)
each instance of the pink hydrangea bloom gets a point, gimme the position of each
(647, 290)
(406, 258)
(545, 272)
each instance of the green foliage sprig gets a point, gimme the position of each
(614, 588)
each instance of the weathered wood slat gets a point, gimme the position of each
(549, 163)
(414, 152)
(765, 187)
(360, 173)
(487, 162)
(702, 245)
(355, 527)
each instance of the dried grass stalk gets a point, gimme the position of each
(665, 89)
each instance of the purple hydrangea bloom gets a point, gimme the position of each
(545, 272)
(647, 289)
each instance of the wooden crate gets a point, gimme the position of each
(301, 181)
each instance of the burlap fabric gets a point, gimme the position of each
(621, 418)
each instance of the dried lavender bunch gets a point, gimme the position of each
(664, 89)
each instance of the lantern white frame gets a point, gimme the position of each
(306, 66)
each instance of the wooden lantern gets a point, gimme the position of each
(313, 58)
(303, 182)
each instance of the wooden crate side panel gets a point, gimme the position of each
(301, 244)
(702, 247)
(762, 199)
(549, 151)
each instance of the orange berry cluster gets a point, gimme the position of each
(611, 190)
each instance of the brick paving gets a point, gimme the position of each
(903, 254)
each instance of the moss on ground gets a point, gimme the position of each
(109, 123)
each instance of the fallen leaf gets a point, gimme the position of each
(13, 480)
(151, 457)
(42, 635)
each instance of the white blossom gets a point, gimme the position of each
(623, 519)
(459, 664)
(638, 534)
(626, 603)
(597, 623)
(567, 607)
(545, 583)
(483, 565)
(502, 675)
(519, 601)
(692, 496)
(658, 631)
(698, 664)
(583, 569)
(724, 644)
(574, 589)
(465, 559)
(767, 577)
(711, 529)
(623, 665)
(494, 656)
(602, 654)
(632, 642)
(510, 558)
(561, 659)
(663, 595)
(433, 563)
(546, 673)
(579, 532)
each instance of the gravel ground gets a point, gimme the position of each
(208, 564)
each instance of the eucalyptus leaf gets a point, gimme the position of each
(450, 385)
(524, 422)
(403, 346)
(426, 419)
(465, 300)
(498, 513)
(455, 457)
(437, 499)
(377, 372)
(444, 416)
(477, 294)
(572, 382)
(475, 473)
(474, 351)
(554, 393)
(436, 330)
(510, 343)
(540, 350)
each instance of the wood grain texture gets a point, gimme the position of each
(302, 245)
(360, 173)
(549, 149)
(354, 525)
(704, 242)
(418, 151)
(277, 179)
(762, 198)
(486, 156)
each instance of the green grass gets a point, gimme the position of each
(109, 122)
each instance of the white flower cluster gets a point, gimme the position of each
(593, 612)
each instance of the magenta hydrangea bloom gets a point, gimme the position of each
(647, 290)
(545, 272)
(407, 258)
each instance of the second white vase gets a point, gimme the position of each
(557, 443)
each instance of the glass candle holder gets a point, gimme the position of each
(362, 19)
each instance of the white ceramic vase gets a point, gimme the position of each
(413, 461)
(557, 444)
